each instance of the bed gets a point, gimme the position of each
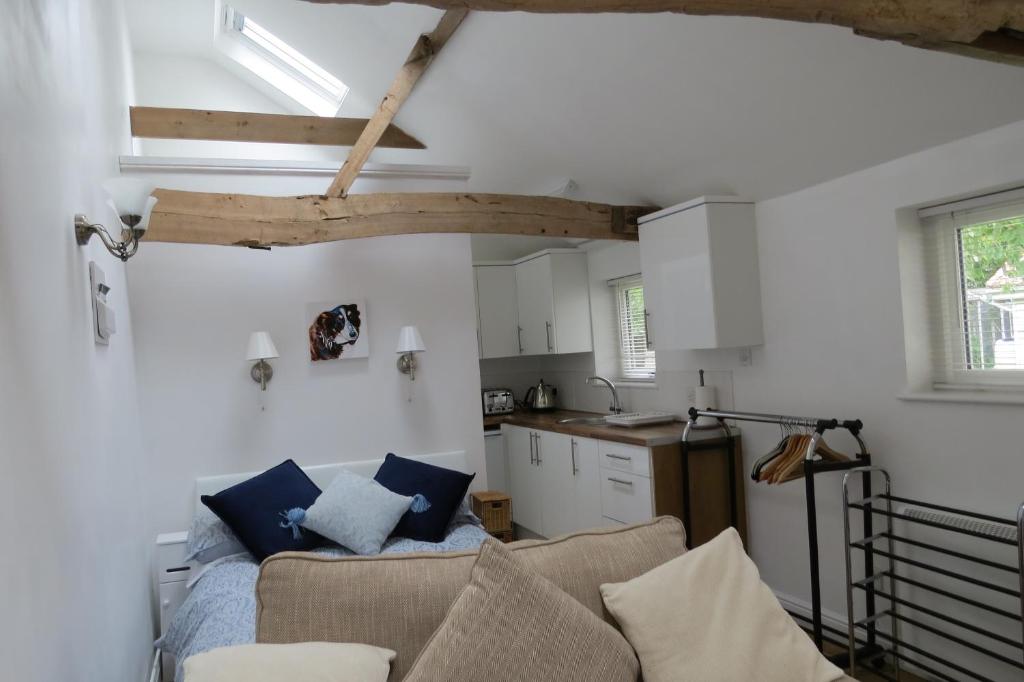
(219, 606)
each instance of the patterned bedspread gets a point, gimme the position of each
(220, 610)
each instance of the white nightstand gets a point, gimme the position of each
(172, 576)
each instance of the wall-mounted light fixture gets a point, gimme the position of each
(132, 203)
(409, 343)
(261, 349)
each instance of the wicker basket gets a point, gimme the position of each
(503, 535)
(494, 509)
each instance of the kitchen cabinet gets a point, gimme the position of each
(701, 278)
(497, 310)
(537, 305)
(526, 479)
(554, 303)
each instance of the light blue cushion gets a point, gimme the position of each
(356, 512)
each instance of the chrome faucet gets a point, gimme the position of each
(616, 407)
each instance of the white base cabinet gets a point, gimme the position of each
(554, 480)
(560, 483)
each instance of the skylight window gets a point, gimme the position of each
(281, 65)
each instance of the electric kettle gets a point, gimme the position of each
(541, 397)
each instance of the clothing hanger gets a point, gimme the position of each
(792, 458)
(764, 460)
(794, 446)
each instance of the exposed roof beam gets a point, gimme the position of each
(426, 48)
(989, 29)
(243, 220)
(238, 126)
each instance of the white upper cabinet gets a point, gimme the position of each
(701, 281)
(538, 305)
(497, 310)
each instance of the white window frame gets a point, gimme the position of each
(949, 345)
(278, 64)
(618, 286)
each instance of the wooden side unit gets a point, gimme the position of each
(709, 492)
(494, 509)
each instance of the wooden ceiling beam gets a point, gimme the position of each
(989, 29)
(240, 126)
(422, 54)
(259, 221)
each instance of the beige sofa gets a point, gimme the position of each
(397, 601)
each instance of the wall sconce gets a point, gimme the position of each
(409, 343)
(132, 203)
(261, 349)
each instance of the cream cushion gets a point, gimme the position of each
(308, 662)
(511, 624)
(706, 616)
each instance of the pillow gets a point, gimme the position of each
(509, 618)
(707, 616)
(261, 511)
(210, 539)
(319, 661)
(442, 490)
(356, 512)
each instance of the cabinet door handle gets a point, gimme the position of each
(547, 330)
(538, 449)
(647, 330)
(620, 481)
(572, 452)
(519, 332)
(531, 448)
(622, 457)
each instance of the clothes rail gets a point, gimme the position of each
(811, 466)
(967, 525)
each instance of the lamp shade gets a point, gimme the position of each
(131, 196)
(261, 347)
(410, 341)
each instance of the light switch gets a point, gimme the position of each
(104, 322)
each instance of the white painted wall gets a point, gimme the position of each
(75, 601)
(834, 345)
(195, 306)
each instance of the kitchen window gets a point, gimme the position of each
(636, 353)
(974, 259)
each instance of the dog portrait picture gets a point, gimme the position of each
(338, 331)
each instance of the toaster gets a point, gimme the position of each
(498, 401)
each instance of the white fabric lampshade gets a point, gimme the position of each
(261, 347)
(410, 341)
(131, 196)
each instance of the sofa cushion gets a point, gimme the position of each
(707, 616)
(398, 601)
(311, 661)
(529, 629)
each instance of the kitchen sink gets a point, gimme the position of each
(583, 420)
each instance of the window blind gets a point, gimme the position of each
(974, 261)
(636, 357)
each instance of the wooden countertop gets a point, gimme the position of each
(647, 436)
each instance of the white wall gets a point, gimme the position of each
(677, 371)
(834, 346)
(194, 307)
(75, 601)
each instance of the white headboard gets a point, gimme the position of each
(323, 474)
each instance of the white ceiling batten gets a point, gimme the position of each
(326, 169)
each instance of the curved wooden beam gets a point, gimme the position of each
(259, 221)
(990, 29)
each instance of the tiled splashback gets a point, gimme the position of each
(568, 373)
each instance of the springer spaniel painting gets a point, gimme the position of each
(338, 332)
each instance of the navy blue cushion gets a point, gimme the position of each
(443, 488)
(253, 509)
